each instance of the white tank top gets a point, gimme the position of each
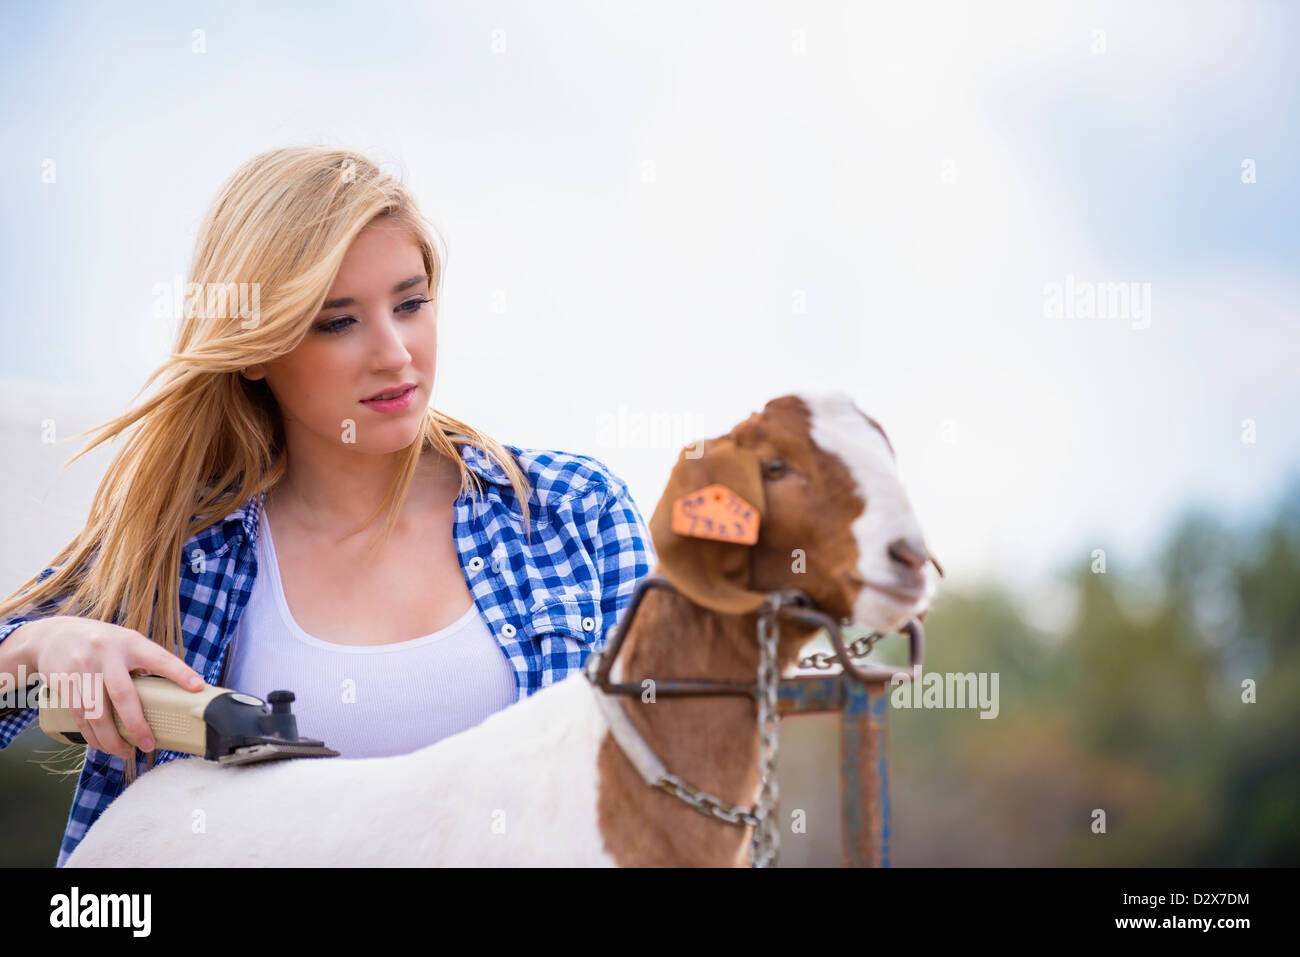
(367, 700)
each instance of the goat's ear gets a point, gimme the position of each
(712, 573)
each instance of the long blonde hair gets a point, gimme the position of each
(209, 439)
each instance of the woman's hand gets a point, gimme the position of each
(70, 645)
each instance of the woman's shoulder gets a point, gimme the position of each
(597, 505)
(235, 522)
(556, 475)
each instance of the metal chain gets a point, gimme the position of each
(765, 843)
(860, 648)
(766, 838)
(702, 801)
(705, 802)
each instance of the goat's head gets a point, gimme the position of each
(832, 518)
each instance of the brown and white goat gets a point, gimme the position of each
(822, 475)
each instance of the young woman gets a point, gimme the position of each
(233, 539)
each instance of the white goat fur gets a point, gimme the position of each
(519, 788)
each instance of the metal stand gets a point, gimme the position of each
(864, 751)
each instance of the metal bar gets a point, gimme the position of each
(855, 762)
(863, 750)
(809, 694)
(880, 729)
(864, 759)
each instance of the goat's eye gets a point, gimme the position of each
(775, 468)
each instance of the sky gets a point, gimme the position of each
(683, 210)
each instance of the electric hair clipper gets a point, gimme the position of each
(218, 724)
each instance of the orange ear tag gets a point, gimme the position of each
(715, 511)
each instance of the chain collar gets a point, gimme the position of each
(766, 838)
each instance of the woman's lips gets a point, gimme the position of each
(390, 392)
(391, 405)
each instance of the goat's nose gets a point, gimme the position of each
(910, 552)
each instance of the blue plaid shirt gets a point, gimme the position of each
(548, 601)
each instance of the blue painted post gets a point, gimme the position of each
(864, 757)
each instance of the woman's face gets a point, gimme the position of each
(375, 334)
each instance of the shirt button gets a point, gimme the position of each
(588, 624)
(475, 563)
(508, 630)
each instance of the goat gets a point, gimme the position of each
(542, 782)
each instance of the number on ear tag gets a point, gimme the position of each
(715, 511)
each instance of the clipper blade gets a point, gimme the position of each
(255, 753)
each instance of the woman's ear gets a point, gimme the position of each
(706, 559)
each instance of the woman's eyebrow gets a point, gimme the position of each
(348, 300)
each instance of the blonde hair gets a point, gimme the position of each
(209, 439)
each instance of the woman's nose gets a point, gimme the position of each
(391, 350)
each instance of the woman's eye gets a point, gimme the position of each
(333, 326)
(337, 325)
(413, 305)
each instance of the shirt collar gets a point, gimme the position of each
(484, 467)
(476, 460)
